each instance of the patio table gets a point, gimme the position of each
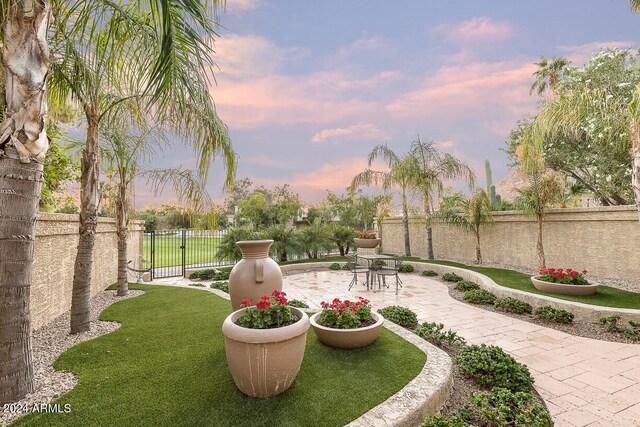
(370, 262)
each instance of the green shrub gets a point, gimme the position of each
(297, 303)
(479, 296)
(513, 305)
(466, 285)
(406, 268)
(433, 333)
(429, 273)
(400, 315)
(440, 421)
(490, 367)
(199, 285)
(451, 277)
(611, 323)
(335, 266)
(221, 286)
(209, 274)
(553, 315)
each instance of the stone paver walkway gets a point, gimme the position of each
(584, 382)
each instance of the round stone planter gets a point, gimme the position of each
(562, 289)
(367, 243)
(264, 362)
(347, 338)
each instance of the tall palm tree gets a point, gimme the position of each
(432, 167)
(23, 146)
(469, 215)
(147, 56)
(548, 74)
(400, 174)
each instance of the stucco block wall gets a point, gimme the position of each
(54, 258)
(604, 240)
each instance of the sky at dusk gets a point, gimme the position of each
(308, 88)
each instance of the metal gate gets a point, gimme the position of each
(172, 252)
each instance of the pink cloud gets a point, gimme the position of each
(445, 145)
(478, 29)
(360, 131)
(580, 54)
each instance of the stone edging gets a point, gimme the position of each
(423, 396)
(582, 312)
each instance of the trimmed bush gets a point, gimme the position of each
(479, 296)
(451, 277)
(400, 315)
(406, 268)
(199, 285)
(335, 266)
(490, 367)
(466, 285)
(433, 333)
(221, 286)
(553, 315)
(429, 273)
(513, 305)
(209, 274)
(297, 303)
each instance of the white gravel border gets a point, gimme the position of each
(49, 342)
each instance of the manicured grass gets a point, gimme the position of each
(200, 250)
(166, 366)
(605, 296)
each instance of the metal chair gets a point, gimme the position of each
(390, 267)
(355, 268)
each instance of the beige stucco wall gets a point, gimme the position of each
(54, 257)
(605, 240)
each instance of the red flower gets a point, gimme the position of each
(283, 300)
(354, 307)
(584, 271)
(246, 302)
(264, 297)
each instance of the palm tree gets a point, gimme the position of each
(228, 250)
(431, 168)
(149, 57)
(314, 238)
(402, 171)
(23, 146)
(548, 75)
(285, 240)
(634, 5)
(343, 237)
(469, 215)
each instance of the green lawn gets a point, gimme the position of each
(166, 366)
(200, 250)
(605, 296)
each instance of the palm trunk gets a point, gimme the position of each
(122, 222)
(25, 65)
(405, 223)
(478, 254)
(635, 167)
(541, 261)
(427, 219)
(80, 298)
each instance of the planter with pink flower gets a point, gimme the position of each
(367, 240)
(265, 344)
(347, 324)
(564, 282)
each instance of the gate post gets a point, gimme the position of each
(184, 251)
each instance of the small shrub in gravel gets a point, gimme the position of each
(479, 296)
(433, 333)
(513, 305)
(611, 323)
(400, 315)
(335, 266)
(466, 285)
(221, 286)
(551, 314)
(429, 273)
(297, 303)
(451, 277)
(490, 367)
(210, 274)
(199, 285)
(406, 268)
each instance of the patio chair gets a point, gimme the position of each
(355, 268)
(389, 267)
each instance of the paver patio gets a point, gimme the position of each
(584, 382)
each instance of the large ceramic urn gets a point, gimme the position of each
(255, 274)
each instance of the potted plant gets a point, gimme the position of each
(265, 344)
(564, 282)
(367, 240)
(347, 324)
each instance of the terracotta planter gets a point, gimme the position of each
(264, 362)
(347, 338)
(255, 274)
(562, 289)
(367, 243)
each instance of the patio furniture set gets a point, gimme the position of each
(376, 268)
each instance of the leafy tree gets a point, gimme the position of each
(469, 215)
(59, 169)
(150, 221)
(264, 208)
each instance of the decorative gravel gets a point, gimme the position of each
(54, 339)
